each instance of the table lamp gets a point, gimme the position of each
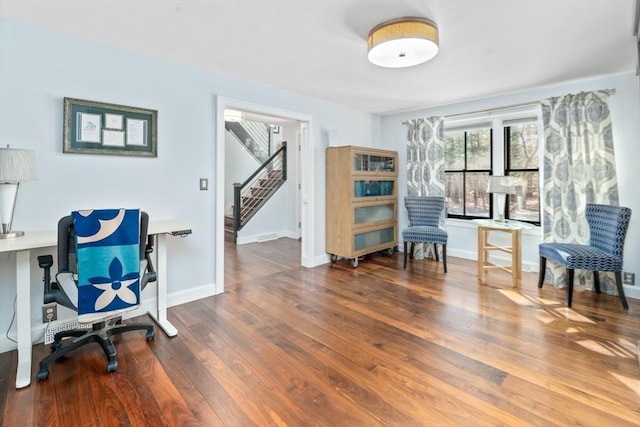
(501, 186)
(16, 166)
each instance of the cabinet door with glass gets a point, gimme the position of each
(361, 202)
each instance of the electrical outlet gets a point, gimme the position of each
(628, 278)
(49, 312)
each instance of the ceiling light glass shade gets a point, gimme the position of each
(233, 115)
(402, 42)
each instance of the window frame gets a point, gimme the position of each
(464, 171)
(506, 127)
(497, 120)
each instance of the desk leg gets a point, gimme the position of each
(160, 315)
(23, 318)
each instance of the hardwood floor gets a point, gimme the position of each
(337, 346)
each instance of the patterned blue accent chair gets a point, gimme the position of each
(103, 264)
(608, 228)
(424, 225)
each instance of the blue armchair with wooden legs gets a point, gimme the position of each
(608, 228)
(424, 225)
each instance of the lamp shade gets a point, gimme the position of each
(17, 165)
(402, 42)
(503, 184)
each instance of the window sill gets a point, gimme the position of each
(467, 223)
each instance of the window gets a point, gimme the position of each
(521, 160)
(468, 155)
(476, 148)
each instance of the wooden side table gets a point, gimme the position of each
(485, 227)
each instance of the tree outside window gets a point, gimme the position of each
(521, 147)
(467, 170)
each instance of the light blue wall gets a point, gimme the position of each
(625, 111)
(39, 68)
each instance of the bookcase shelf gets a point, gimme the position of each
(362, 202)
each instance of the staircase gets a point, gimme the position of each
(254, 136)
(252, 194)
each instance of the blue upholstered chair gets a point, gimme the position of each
(424, 225)
(608, 228)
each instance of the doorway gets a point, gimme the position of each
(305, 203)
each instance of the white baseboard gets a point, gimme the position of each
(632, 292)
(173, 299)
(527, 266)
(321, 259)
(257, 238)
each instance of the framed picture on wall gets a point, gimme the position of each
(92, 127)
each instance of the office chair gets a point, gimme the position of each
(424, 225)
(608, 228)
(79, 256)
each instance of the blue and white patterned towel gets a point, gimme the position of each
(107, 245)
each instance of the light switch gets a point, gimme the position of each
(204, 184)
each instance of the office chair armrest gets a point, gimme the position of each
(53, 292)
(149, 274)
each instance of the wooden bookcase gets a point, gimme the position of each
(362, 202)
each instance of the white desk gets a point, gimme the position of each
(43, 239)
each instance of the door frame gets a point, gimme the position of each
(306, 179)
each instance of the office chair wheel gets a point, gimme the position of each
(42, 375)
(150, 335)
(354, 263)
(334, 258)
(112, 366)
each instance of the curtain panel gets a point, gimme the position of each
(578, 168)
(425, 157)
(425, 162)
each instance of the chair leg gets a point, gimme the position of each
(596, 282)
(405, 255)
(435, 252)
(411, 250)
(570, 272)
(623, 299)
(542, 271)
(444, 256)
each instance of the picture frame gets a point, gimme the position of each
(92, 127)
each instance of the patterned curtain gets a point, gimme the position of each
(425, 162)
(425, 157)
(579, 168)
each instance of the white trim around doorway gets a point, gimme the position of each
(307, 258)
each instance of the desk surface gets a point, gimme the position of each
(43, 239)
(48, 238)
(30, 240)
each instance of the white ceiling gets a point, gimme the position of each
(318, 47)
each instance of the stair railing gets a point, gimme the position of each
(255, 137)
(254, 192)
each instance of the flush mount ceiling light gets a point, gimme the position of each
(402, 42)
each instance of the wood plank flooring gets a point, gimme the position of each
(338, 346)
